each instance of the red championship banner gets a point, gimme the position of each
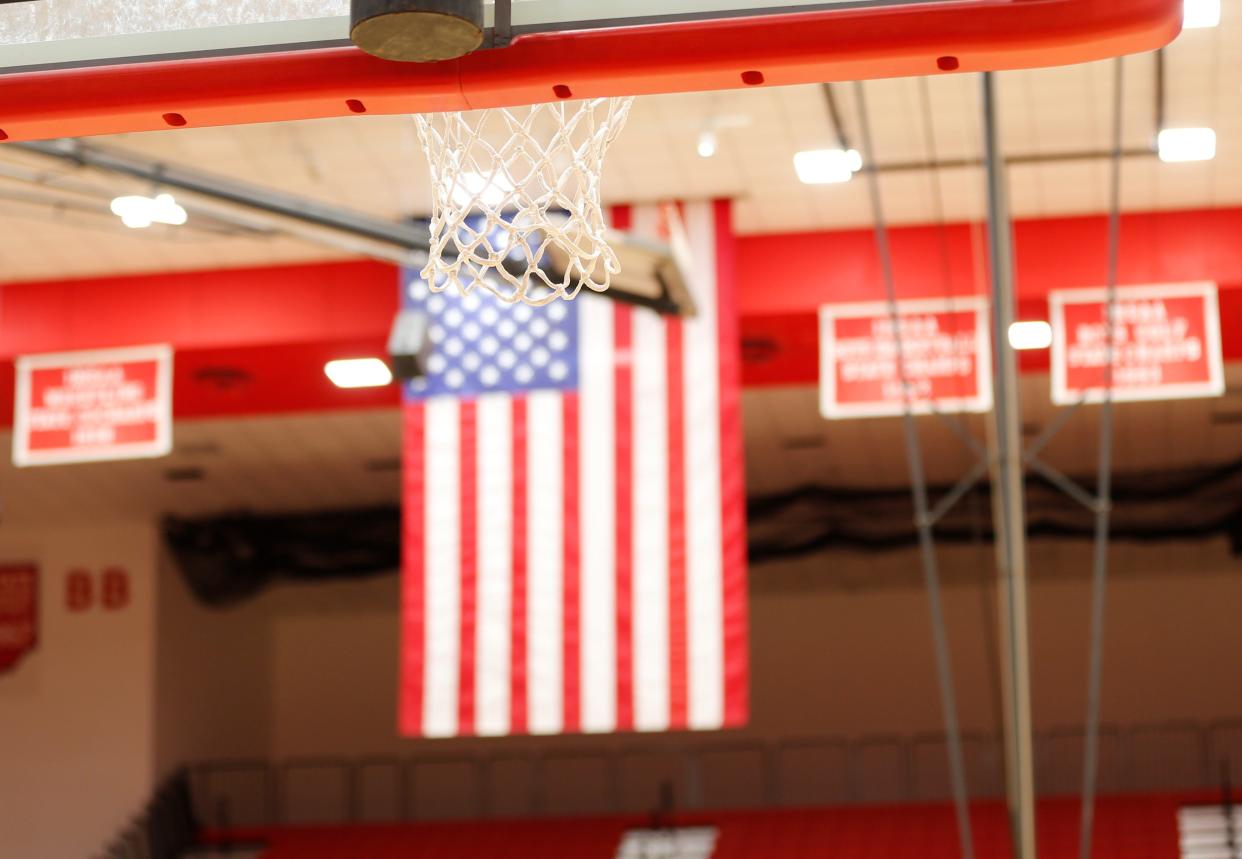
(1166, 347)
(93, 406)
(19, 613)
(947, 349)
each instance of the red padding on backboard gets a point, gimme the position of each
(801, 48)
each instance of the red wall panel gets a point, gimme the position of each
(255, 340)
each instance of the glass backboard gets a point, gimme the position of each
(48, 34)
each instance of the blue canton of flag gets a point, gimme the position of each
(481, 345)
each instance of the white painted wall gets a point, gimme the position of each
(317, 664)
(112, 701)
(77, 716)
(212, 678)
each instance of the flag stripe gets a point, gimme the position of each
(651, 505)
(677, 604)
(571, 614)
(733, 490)
(704, 626)
(677, 651)
(649, 569)
(494, 539)
(469, 560)
(413, 546)
(597, 580)
(544, 614)
(623, 511)
(518, 630)
(443, 568)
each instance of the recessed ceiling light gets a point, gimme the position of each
(707, 143)
(1186, 144)
(472, 188)
(1201, 13)
(827, 166)
(358, 373)
(1035, 334)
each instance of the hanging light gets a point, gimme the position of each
(1199, 14)
(1034, 334)
(1186, 144)
(358, 373)
(827, 166)
(138, 212)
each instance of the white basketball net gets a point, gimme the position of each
(516, 198)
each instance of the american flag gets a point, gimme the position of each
(574, 511)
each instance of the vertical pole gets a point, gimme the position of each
(502, 24)
(1010, 510)
(1226, 790)
(1104, 491)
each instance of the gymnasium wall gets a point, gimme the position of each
(840, 646)
(77, 714)
(860, 622)
(212, 677)
(112, 700)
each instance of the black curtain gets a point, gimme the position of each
(229, 558)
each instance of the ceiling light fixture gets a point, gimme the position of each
(137, 212)
(358, 373)
(827, 166)
(708, 143)
(477, 189)
(1034, 334)
(709, 134)
(1177, 145)
(1199, 14)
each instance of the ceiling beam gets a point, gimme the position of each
(230, 199)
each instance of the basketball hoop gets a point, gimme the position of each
(515, 192)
